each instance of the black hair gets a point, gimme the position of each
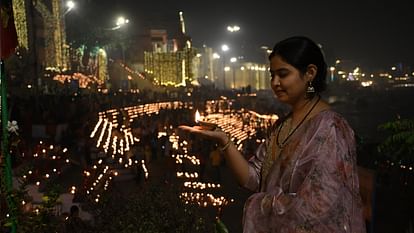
(300, 52)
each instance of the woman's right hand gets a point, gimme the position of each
(217, 135)
(234, 159)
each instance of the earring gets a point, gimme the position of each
(310, 89)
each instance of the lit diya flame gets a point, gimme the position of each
(197, 116)
(203, 124)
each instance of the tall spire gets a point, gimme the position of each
(182, 22)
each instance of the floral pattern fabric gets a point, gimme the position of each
(311, 186)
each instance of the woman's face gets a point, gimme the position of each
(286, 81)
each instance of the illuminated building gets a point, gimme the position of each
(20, 18)
(171, 61)
(210, 66)
(205, 65)
(170, 68)
(252, 74)
(56, 51)
(102, 66)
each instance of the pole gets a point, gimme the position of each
(234, 76)
(224, 72)
(5, 149)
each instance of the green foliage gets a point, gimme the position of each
(150, 209)
(399, 145)
(154, 209)
(42, 221)
(220, 227)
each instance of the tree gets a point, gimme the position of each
(399, 145)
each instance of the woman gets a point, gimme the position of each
(305, 173)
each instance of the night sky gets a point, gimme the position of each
(372, 33)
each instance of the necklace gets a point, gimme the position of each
(282, 144)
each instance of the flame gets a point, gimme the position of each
(197, 116)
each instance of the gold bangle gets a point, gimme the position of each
(223, 148)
